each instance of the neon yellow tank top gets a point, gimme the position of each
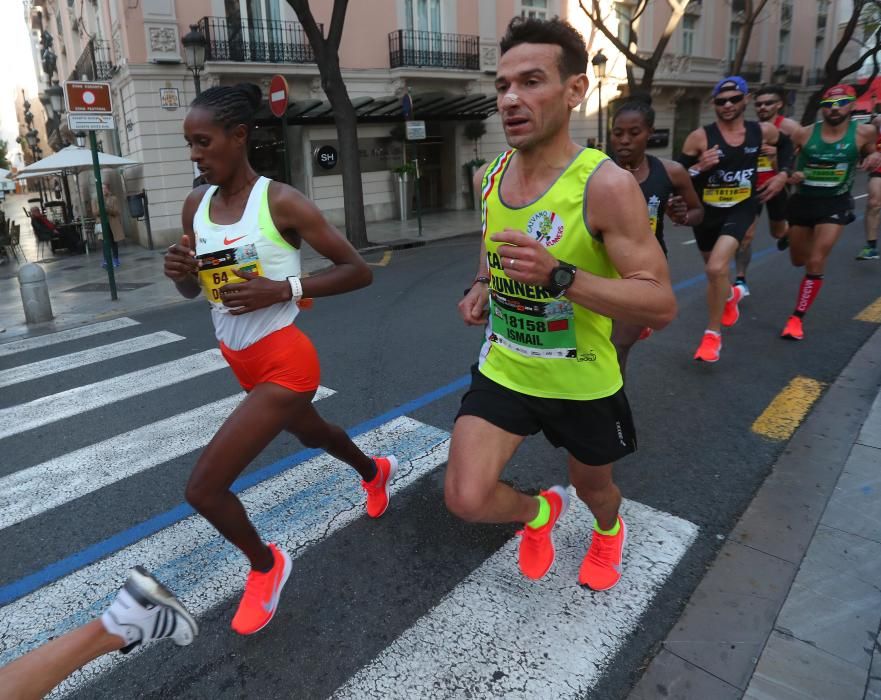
(536, 344)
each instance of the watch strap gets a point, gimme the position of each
(296, 288)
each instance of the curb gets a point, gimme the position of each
(713, 649)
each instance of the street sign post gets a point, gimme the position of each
(90, 107)
(278, 105)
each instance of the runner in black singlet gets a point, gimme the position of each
(665, 184)
(723, 159)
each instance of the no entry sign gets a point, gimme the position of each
(278, 95)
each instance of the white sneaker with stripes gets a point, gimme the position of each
(144, 610)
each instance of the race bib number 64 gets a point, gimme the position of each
(217, 269)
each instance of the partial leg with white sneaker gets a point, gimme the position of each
(142, 612)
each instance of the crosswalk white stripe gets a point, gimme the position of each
(40, 488)
(42, 341)
(74, 360)
(296, 509)
(47, 409)
(484, 638)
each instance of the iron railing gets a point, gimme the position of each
(255, 40)
(816, 76)
(94, 62)
(410, 47)
(791, 75)
(751, 71)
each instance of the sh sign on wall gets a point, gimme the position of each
(89, 106)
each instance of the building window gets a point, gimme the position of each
(733, 40)
(689, 27)
(783, 49)
(424, 15)
(624, 15)
(534, 8)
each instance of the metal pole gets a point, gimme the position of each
(105, 224)
(600, 116)
(197, 83)
(418, 201)
(147, 219)
(287, 157)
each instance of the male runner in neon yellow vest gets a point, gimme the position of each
(567, 246)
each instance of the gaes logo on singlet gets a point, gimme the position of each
(546, 227)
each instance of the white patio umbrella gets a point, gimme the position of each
(72, 160)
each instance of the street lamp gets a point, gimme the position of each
(55, 93)
(195, 43)
(31, 137)
(599, 70)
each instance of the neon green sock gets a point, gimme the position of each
(544, 513)
(611, 532)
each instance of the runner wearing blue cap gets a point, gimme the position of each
(722, 159)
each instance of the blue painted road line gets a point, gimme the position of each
(99, 550)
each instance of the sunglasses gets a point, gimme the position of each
(840, 102)
(767, 103)
(722, 101)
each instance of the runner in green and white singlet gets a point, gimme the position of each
(567, 246)
(822, 206)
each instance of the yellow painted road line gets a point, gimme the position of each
(786, 412)
(386, 259)
(871, 314)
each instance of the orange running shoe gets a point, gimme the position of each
(793, 329)
(262, 591)
(708, 350)
(731, 312)
(537, 546)
(378, 489)
(601, 568)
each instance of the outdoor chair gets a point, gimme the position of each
(43, 235)
(15, 236)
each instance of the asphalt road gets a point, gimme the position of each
(355, 590)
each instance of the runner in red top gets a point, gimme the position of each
(769, 100)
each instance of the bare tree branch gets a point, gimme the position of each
(337, 18)
(751, 14)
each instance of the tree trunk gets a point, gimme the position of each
(346, 122)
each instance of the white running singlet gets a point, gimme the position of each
(253, 244)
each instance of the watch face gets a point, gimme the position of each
(563, 277)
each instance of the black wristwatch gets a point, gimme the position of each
(562, 278)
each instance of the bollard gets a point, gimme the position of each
(34, 293)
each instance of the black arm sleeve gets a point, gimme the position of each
(687, 160)
(785, 152)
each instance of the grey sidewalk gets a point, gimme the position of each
(791, 608)
(79, 290)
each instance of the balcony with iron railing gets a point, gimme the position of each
(94, 62)
(789, 75)
(751, 71)
(816, 76)
(409, 47)
(250, 40)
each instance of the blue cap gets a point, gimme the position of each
(732, 82)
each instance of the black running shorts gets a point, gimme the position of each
(734, 221)
(810, 211)
(776, 207)
(596, 432)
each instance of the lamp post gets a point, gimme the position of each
(599, 69)
(195, 43)
(55, 94)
